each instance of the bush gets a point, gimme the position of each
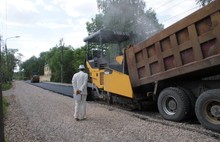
(5, 104)
(6, 86)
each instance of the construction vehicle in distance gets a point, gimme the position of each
(171, 68)
(35, 79)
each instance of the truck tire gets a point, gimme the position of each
(192, 102)
(173, 104)
(208, 109)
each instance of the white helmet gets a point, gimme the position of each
(81, 67)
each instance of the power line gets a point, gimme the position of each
(2, 16)
(163, 4)
(167, 6)
(6, 15)
(179, 14)
(170, 7)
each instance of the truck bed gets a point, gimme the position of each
(189, 48)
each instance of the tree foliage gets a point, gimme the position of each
(9, 60)
(126, 16)
(69, 57)
(31, 67)
(12, 61)
(96, 24)
(54, 61)
(130, 16)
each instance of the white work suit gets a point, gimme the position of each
(79, 82)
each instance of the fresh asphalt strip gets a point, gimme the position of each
(58, 88)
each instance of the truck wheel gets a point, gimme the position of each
(192, 100)
(173, 104)
(208, 109)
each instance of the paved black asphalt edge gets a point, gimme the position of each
(57, 88)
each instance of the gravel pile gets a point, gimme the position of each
(37, 115)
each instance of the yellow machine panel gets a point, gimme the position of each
(118, 83)
(120, 59)
(96, 75)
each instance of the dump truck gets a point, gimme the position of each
(177, 68)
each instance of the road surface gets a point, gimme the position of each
(38, 115)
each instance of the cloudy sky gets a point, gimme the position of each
(42, 23)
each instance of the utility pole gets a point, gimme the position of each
(6, 52)
(1, 104)
(61, 45)
(61, 67)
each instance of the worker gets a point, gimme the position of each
(79, 82)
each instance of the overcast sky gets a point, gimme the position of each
(42, 23)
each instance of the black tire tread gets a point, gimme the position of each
(180, 95)
(192, 102)
(213, 94)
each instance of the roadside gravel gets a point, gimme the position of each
(37, 115)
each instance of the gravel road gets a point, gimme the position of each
(38, 115)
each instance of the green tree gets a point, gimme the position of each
(53, 57)
(57, 56)
(79, 56)
(96, 24)
(30, 67)
(12, 61)
(71, 59)
(9, 60)
(129, 16)
(42, 60)
(68, 60)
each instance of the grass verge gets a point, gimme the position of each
(5, 104)
(6, 86)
